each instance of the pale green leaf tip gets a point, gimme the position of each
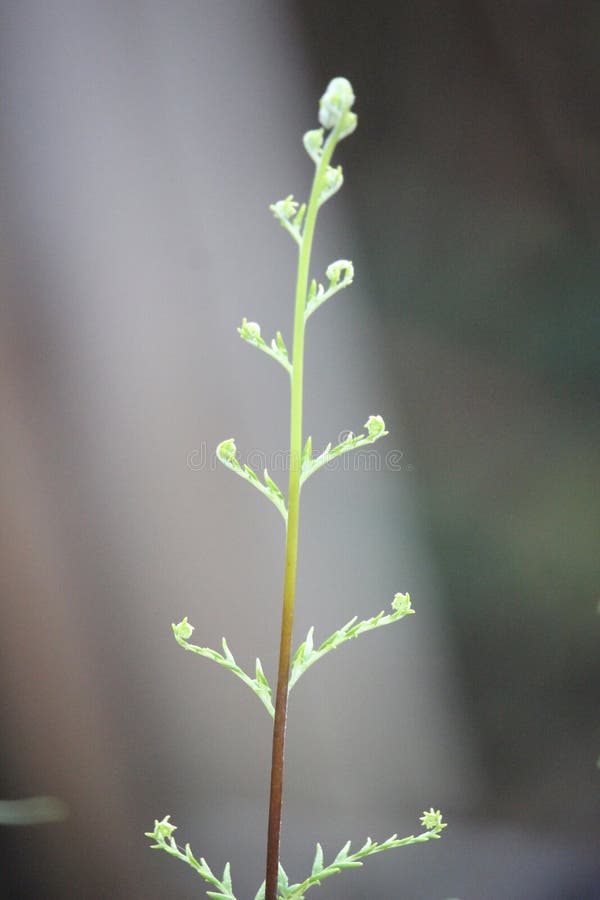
(336, 103)
(226, 450)
(285, 209)
(183, 629)
(401, 603)
(250, 331)
(335, 269)
(351, 122)
(375, 426)
(334, 179)
(313, 143)
(163, 830)
(432, 820)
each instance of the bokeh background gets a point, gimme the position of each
(140, 145)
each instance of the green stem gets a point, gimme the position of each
(291, 549)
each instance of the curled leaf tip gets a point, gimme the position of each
(226, 450)
(340, 269)
(432, 820)
(401, 603)
(253, 329)
(375, 426)
(183, 629)
(313, 143)
(163, 829)
(333, 178)
(336, 103)
(285, 209)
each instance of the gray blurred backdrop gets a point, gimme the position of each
(141, 143)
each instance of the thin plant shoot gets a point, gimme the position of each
(337, 122)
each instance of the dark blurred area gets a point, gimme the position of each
(139, 143)
(476, 194)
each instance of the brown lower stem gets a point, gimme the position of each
(281, 697)
(277, 760)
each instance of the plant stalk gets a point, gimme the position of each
(291, 548)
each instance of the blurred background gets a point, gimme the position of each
(140, 144)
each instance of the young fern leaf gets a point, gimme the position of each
(313, 144)
(306, 655)
(290, 215)
(226, 453)
(340, 274)
(332, 182)
(375, 429)
(259, 685)
(250, 332)
(164, 840)
(431, 820)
